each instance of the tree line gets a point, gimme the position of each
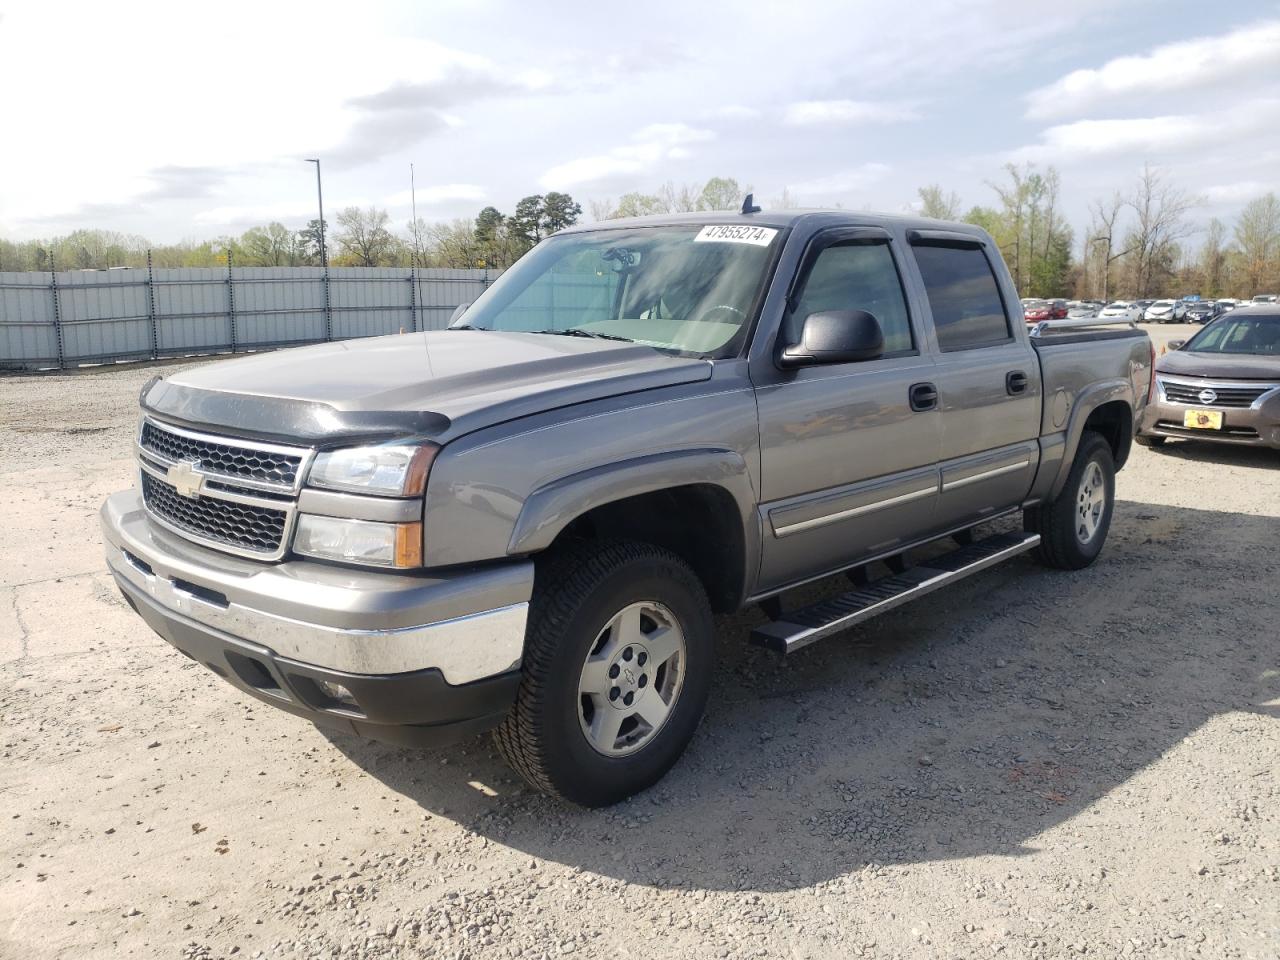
(1140, 242)
(358, 237)
(366, 237)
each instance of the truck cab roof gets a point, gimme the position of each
(813, 219)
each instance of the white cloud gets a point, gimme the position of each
(1239, 192)
(1103, 137)
(437, 194)
(807, 113)
(649, 147)
(257, 213)
(735, 111)
(671, 133)
(404, 88)
(1189, 64)
(841, 183)
(394, 90)
(592, 170)
(1156, 136)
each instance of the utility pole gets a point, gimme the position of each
(324, 254)
(416, 294)
(413, 199)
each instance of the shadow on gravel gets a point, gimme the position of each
(964, 725)
(1262, 458)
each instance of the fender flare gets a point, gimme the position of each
(1087, 401)
(551, 507)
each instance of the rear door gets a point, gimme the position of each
(988, 379)
(848, 467)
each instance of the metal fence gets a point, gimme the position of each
(73, 318)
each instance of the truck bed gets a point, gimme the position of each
(1054, 332)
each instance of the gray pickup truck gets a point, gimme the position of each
(526, 522)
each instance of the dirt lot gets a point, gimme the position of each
(1031, 764)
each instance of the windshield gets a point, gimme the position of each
(1252, 335)
(687, 289)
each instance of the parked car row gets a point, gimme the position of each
(1138, 311)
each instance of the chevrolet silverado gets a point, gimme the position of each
(526, 522)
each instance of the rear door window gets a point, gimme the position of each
(968, 310)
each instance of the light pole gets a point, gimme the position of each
(324, 254)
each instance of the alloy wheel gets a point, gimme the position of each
(1091, 502)
(631, 678)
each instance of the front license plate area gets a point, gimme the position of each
(1202, 419)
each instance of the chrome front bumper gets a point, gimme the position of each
(1257, 425)
(468, 625)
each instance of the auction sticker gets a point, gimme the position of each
(728, 233)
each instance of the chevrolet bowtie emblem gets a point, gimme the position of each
(185, 480)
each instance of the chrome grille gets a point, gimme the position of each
(1218, 394)
(223, 492)
(264, 466)
(246, 527)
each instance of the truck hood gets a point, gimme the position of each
(1229, 366)
(436, 385)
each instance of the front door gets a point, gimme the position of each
(848, 467)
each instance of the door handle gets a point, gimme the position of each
(923, 396)
(1015, 382)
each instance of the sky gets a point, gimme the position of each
(186, 121)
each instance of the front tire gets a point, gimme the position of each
(618, 661)
(1073, 528)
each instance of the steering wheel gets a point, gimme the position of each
(722, 308)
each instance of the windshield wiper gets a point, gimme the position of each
(579, 332)
(463, 326)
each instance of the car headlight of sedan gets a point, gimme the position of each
(386, 470)
(366, 542)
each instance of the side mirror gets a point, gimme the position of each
(1175, 344)
(835, 336)
(458, 311)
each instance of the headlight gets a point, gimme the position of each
(359, 541)
(393, 470)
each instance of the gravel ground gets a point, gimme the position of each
(1029, 764)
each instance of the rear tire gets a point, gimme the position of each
(618, 661)
(1148, 440)
(1073, 528)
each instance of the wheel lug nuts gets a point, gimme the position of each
(644, 679)
(614, 671)
(626, 654)
(642, 659)
(613, 693)
(628, 698)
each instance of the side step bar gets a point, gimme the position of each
(799, 628)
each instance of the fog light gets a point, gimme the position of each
(338, 693)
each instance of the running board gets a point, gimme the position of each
(799, 628)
